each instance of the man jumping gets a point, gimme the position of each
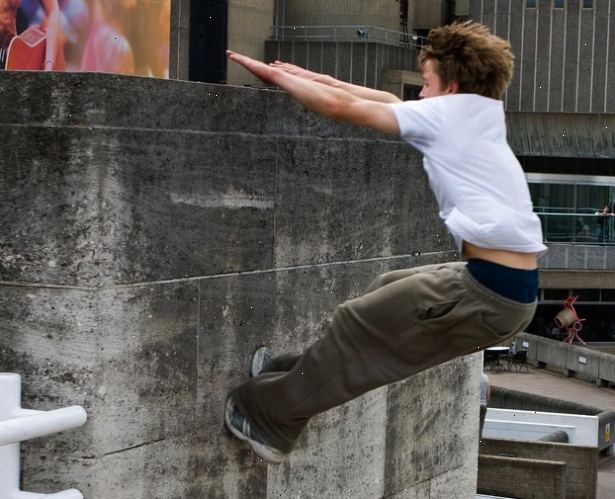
(410, 320)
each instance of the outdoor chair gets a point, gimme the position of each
(518, 361)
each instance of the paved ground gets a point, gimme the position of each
(549, 384)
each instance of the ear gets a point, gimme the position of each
(453, 87)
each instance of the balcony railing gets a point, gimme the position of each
(578, 227)
(346, 34)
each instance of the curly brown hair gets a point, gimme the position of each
(480, 63)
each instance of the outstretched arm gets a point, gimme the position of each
(324, 99)
(359, 91)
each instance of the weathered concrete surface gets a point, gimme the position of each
(580, 476)
(506, 476)
(565, 135)
(154, 233)
(572, 257)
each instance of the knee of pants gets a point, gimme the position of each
(378, 282)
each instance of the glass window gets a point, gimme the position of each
(608, 295)
(587, 4)
(571, 212)
(531, 4)
(559, 4)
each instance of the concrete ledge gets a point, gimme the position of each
(521, 478)
(580, 467)
(568, 359)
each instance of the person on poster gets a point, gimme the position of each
(107, 48)
(412, 319)
(74, 24)
(52, 56)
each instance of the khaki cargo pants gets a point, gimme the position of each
(406, 322)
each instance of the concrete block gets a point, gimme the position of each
(557, 257)
(221, 205)
(410, 459)
(553, 354)
(193, 466)
(585, 363)
(459, 483)
(322, 221)
(576, 257)
(314, 470)
(606, 369)
(49, 207)
(98, 212)
(609, 257)
(529, 342)
(77, 99)
(82, 347)
(522, 478)
(146, 334)
(581, 462)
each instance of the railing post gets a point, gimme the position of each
(17, 425)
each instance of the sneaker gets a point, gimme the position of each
(260, 361)
(243, 430)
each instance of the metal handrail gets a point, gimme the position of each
(347, 33)
(586, 230)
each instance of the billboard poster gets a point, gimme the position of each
(111, 36)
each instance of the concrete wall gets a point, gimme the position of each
(154, 233)
(381, 13)
(429, 14)
(564, 59)
(572, 360)
(598, 262)
(575, 279)
(522, 478)
(580, 475)
(562, 135)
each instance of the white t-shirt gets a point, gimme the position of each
(479, 185)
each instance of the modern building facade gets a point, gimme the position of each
(561, 107)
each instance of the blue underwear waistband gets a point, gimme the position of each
(515, 284)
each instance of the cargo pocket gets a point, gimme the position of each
(437, 311)
(501, 326)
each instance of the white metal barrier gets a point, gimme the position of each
(17, 425)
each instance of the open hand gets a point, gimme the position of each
(257, 68)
